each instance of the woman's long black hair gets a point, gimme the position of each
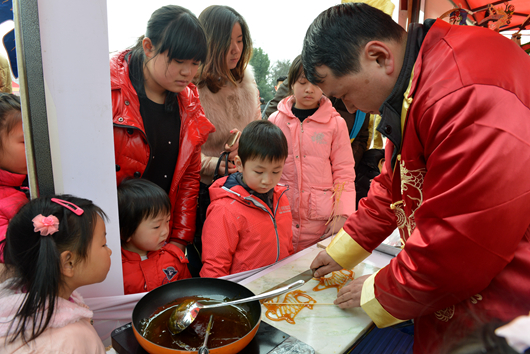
(34, 261)
(173, 29)
(218, 22)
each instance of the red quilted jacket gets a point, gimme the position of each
(132, 150)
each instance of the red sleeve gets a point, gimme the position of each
(3, 229)
(475, 202)
(220, 236)
(185, 205)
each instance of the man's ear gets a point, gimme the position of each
(67, 264)
(380, 54)
(238, 163)
(149, 49)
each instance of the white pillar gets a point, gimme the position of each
(75, 61)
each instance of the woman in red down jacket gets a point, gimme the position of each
(159, 124)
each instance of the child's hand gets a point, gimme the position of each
(334, 226)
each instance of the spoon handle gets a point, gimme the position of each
(268, 294)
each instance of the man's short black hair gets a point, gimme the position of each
(263, 140)
(139, 199)
(337, 35)
(281, 78)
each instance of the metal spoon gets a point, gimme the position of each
(204, 349)
(187, 311)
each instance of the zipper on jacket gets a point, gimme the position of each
(272, 216)
(262, 207)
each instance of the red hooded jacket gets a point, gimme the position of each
(166, 265)
(132, 150)
(241, 232)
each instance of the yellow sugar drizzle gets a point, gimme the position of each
(289, 308)
(337, 280)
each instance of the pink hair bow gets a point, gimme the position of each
(47, 225)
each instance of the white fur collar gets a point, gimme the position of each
(229, 108)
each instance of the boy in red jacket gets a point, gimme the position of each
(148, 260)
(248, 222)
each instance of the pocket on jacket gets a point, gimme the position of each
(320, 203)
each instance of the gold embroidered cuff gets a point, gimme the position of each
(373, 308)
(346, 251)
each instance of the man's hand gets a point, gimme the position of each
(350, 295)
(324, 264)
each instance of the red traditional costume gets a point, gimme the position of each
(458, 189)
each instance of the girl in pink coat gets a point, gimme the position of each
(53, 246)
(320, 168)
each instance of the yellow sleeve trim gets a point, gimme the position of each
(373, 308)
(346, 251)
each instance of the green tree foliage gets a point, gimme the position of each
(280, 68)
(261, 63)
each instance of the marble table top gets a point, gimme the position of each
(326, 328)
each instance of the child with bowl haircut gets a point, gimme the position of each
(248, 223)
(148, 260)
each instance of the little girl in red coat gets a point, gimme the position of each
(12, 161)
(148, 259)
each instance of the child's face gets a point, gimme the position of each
(95, 268)
(150, 235)
(13, 153)
(306, 94)
(260, 175)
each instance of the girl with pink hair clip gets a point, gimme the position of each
(53, 246)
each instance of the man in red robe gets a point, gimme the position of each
(455, 105)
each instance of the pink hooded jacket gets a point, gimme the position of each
(11, 200)
(319, 169)
(69, 330)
